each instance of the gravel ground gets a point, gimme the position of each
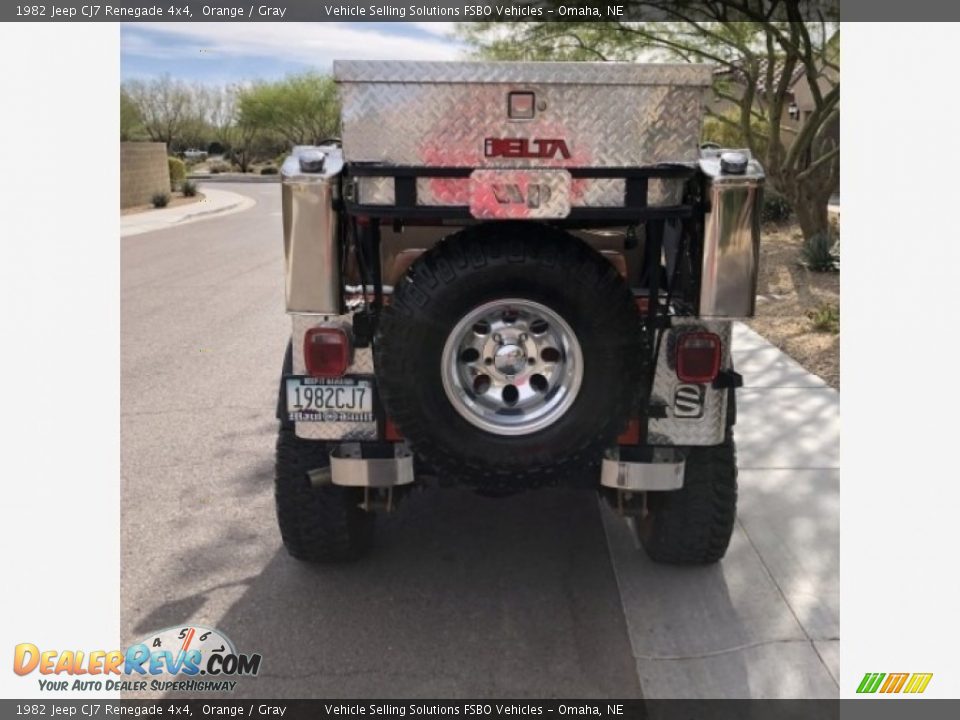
(786, 292)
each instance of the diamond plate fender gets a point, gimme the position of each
(696, 414)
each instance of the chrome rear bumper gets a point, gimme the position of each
(349, 468)
(663, 472)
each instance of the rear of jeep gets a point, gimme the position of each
(515, 275)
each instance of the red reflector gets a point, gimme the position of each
(326, 351)
(698, 357)
(390, 432)
(630, 436)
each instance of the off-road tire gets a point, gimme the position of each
(488, 263)
(317, 523)
(693, 525)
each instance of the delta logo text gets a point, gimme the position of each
(892, 683)
(525, 148)
(185, 658)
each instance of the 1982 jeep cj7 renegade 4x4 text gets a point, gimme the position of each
(511, 275)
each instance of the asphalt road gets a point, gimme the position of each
(462, 596)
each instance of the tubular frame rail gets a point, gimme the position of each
(635, 209)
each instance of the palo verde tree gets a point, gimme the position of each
(762, 50)
(131, 124)
(301, 109)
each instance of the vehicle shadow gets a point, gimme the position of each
(463, 596)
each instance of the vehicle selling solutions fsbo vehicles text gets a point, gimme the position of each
(467, 11)
(341, 11)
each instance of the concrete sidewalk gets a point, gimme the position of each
(233, 178)
(215, 202)
(764, 622)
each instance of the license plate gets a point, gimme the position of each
(500, 194)
(335, 400)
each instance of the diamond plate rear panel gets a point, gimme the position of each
(503, 194)
(685, 424)
(439, 114)
(584, 192)
(442, 191)
(362, 365)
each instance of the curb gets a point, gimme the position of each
(237, 178)
(204, 213)
(241, 203)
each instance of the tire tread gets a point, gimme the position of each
(586, 276)
(317, 524)
(693, 525)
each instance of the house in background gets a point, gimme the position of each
(799, 101)
(799, 97)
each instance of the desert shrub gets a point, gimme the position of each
(160, 200)
(268, 170)
(219, 167)
(188, 188)
(826, 318)
(178, 171)
(775, 207)
(820, 253)
(835, 236)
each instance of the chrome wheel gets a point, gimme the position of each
(512, 367)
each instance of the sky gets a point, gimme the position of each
(220, 53)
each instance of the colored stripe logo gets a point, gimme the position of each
(913, 683)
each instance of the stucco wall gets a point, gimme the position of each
(143, 172)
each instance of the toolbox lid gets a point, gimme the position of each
(557, 73)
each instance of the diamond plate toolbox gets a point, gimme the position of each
(458, 114)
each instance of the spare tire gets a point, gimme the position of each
(510, 356)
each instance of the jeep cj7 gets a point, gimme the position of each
(512, 275)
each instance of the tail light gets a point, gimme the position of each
(698, 357)
(326, 351)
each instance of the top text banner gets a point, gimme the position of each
(400, 10)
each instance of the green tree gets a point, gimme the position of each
(242, 139)
(301, 109)
(210, 112)
(163, 104)
(763, 60)
(131, 124)
(221, 106)
(169, 111)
